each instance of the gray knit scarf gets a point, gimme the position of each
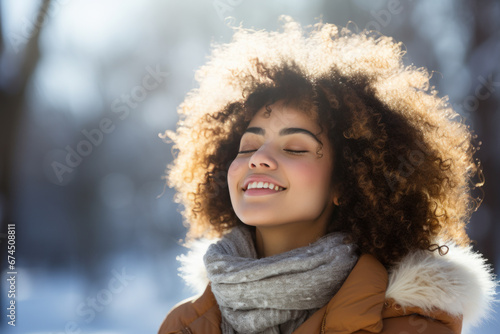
(275, 294)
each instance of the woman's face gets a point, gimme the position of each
(277, 177)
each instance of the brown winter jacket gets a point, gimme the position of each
(360, 306)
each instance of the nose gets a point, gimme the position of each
(262, 159)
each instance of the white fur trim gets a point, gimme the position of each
(460, 283)
(192, 268)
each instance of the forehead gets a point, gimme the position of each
(278, 116)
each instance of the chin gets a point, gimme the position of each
(260, 221)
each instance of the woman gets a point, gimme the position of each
(337, 184)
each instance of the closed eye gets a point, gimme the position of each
(286, 150)
(295, 151)
(246, 151)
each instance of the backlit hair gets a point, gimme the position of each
(403, 158)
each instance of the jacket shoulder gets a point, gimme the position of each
(459, 283)
(199, 314)
(361, 306)
(413, 324)
(416, 320)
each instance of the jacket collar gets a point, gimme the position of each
(459, 283)
(359, 303)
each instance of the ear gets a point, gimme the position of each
(335, 196)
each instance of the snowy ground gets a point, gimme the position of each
(61, 303)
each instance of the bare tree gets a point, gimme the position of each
(12, 111)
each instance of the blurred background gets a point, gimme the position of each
(87, 86)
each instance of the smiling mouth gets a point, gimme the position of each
(257, 185)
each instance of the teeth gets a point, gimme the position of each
(263, 185)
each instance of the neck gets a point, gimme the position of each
(272, 240)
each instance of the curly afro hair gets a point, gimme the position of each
(404, 165)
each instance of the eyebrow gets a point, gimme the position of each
(283, 132)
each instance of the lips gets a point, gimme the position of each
(262, 182)
(264, 185)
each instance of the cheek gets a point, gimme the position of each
(235, 173)
(313, 176)
(310, 173)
